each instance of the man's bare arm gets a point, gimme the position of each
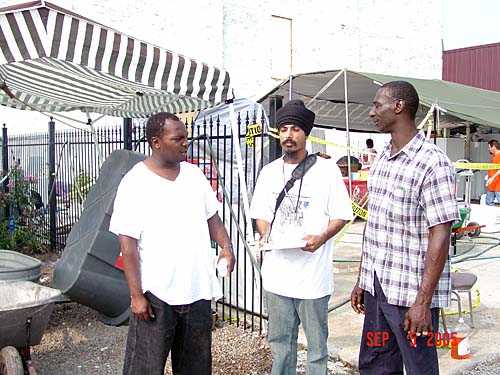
(418, 317)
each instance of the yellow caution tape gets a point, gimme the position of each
(252, 131)
(478, 166)
(341, 233)
(475, 304)
(323, 142)
(273, 132)
(359, 211)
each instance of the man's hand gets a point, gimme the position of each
(489, 181)
(418, 319)
(227, 253)
(357, 299)
(264, 238)
(141, 307)
(313, 242)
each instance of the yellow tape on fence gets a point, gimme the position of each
(252, 131)
(273, 132)
(359, 211)
(478, 166)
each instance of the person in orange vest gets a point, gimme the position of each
(493, 181)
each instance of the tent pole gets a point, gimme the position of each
(435, 118)
(421, 126)
(325, 87)
(94, 138)
(106, 113)
(241, 172)
(467, 141)
(290, 81)
(52, 180)
(346, 103)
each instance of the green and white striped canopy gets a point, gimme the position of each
(54, 60)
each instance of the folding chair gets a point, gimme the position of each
(461, 282)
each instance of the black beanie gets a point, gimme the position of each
(295, 113)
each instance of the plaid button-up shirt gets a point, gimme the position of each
(409, 192)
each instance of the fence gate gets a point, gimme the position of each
(65, 164)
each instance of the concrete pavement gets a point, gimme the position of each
(346, 326)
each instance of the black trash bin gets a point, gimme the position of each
(87, 272)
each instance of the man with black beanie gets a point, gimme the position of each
(297, 267)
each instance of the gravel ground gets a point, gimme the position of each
(76, 342)
(490, 366)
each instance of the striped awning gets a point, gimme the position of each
(54, 60)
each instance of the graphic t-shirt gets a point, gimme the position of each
(307, 209)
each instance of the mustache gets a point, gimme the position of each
(289, 141)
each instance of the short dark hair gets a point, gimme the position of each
(154, 126)
(369, 143)
(405, 91)
(494, 143)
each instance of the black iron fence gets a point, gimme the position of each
(66, 163)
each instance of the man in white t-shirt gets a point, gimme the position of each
(297, 272)
(165, 214)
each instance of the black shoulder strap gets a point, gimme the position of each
(299, 172)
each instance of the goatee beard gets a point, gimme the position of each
(291, 154)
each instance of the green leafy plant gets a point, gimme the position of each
(21, 229)
(81, 186)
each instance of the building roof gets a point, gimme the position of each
(476, 66)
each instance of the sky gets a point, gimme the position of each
(465, 23)
(470, 23)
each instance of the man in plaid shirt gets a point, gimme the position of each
(405, 270)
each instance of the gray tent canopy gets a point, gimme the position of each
(456, 102)
(53, 60)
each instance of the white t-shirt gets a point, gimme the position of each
(169, 220)
(323, 197)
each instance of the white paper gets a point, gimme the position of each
(284, 245)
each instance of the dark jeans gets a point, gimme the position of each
(185, 330)
(384, 344)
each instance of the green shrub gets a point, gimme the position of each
(26, 215)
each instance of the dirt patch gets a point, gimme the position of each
(76, 341)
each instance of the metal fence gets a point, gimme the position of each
(66, 163)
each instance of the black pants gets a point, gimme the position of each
(384, 344)
(185, 330)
